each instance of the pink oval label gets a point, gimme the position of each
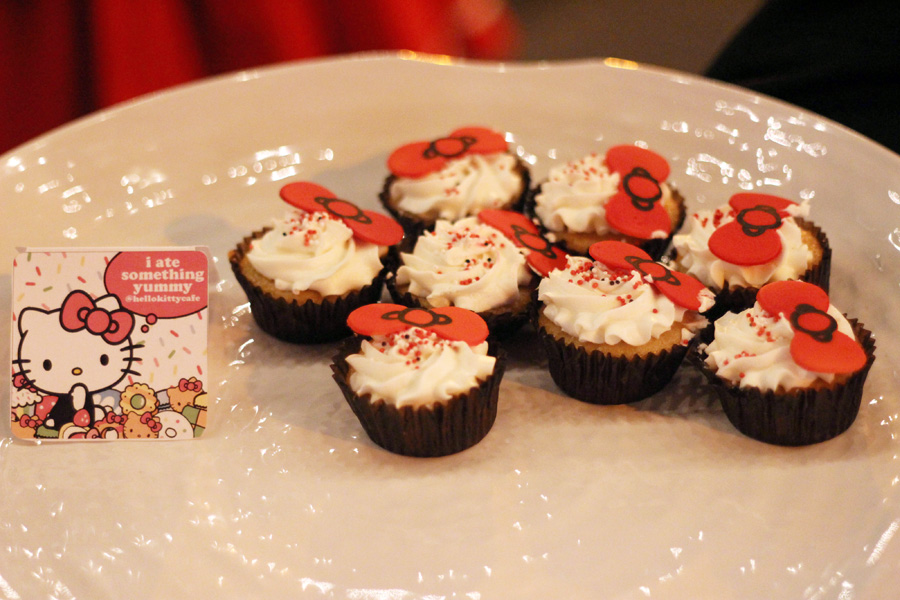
(163, 284)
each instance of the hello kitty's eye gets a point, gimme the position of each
(104, 359)
(47, 364)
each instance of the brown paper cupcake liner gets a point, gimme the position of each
(737, 299)
(440, 429)
(307, 323)
(501, 323)
(656, 248)
(414, 225)
(797, 417)
(600, 378)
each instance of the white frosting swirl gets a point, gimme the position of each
(466, 264)
(589, 302)
(463, 187)
(753, 349)
(696, 258)
(314, 251)
(575, 194)
(417, 367)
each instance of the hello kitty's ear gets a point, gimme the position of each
(27, 317)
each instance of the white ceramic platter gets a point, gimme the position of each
(285, 496)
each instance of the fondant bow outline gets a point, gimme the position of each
(752, 238)
(543, 257)
(683, 290)
(635, 209)
(434, 149)
(817, 344)
(449, 322)
(366, 225)
(418, 159)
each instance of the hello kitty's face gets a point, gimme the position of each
(55, 360)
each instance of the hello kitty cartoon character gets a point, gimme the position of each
(74, 352)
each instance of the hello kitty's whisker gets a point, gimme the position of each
(131, 347)
(20, 361)
(23, 372)
(130, 372)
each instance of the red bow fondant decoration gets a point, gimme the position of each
(421, 158)
(681, 289)
(817, 345)
(448, 322)
(192, 385)
(80, 312)
(635, 209)
(543, 257)
(366, 225)
(752, 238)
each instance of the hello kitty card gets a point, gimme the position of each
(109, 344)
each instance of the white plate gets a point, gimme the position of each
(284, 496)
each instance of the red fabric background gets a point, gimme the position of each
(61, 59)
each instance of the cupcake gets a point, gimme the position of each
(307, 272)
(753, 240)
(621, 196)
(473, 265)
(790, 370)
(616, 328)
(453, 177)
(422, 382)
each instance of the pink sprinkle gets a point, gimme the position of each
(173, 332)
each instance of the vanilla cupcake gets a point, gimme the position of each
(305, 273)
(622, 195)
(616, 328)
(753, 240)
(468, 264)
(453, 177)
(421, 382)
(790, 370)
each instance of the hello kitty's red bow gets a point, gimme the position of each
(114, 419)
(150, 421)
(80, 312)
(421, 158)
(635, 209)
(752, 238)
(193, 385)
(366, 225)
(28, 421)
(681, 289)
(543, 257)
(448, 322)
(817, 344)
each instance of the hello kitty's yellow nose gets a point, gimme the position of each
(76, 371)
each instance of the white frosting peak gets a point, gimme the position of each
(417, 367)
(589, 302)
(314, 251)
(463, 187)
(466, 264)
